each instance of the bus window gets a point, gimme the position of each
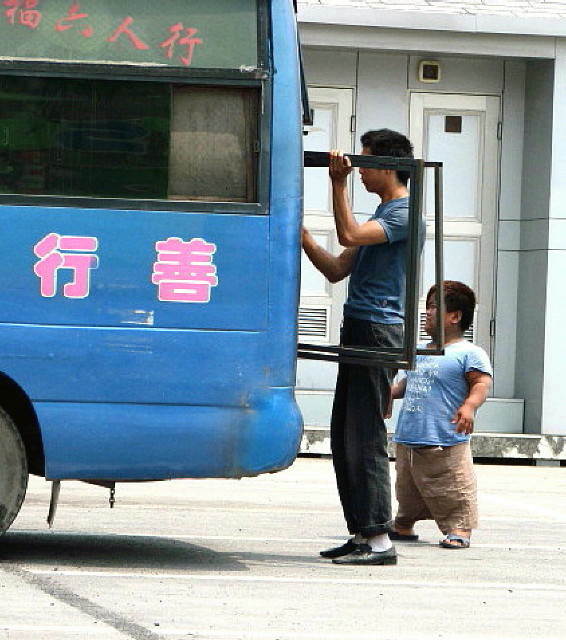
(212, 143)
(127, 139)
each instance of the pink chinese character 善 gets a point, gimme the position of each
(23, 12)
(123, 27)
(73, 14)
(50, 250)
(184, 271)
(187, 40)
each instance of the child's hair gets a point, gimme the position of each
(457, 297)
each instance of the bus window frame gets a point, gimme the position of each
(259, 78)
(403, 358)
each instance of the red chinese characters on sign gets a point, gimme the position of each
(22, 12)
(187, 40)
(124, 27)
(26, 13)
(73, 15)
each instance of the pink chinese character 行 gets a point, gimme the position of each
(123, 27)
(184, 271)
(80, 260)
(187, 40)
(22, 11)
(73, 14)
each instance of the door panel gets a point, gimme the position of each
(320, 311)
(461, 132)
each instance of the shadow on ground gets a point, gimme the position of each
(109, 551)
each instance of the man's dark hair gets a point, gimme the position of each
(457, 297)
(384, 142)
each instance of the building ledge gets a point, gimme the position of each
(436, 18)
(316, 440)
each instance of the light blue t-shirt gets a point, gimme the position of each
(376, 291)
(435, 389)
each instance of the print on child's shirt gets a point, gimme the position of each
(419, 383)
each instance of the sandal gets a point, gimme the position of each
(463, 543)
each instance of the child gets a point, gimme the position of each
(435, 476)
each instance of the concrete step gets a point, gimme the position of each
(316, 440)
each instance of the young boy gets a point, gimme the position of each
(435, 476)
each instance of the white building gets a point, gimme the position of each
(496, 117)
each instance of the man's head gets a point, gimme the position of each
(459, 303)
(384, 142)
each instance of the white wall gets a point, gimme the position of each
(554, 407)
(382, 82)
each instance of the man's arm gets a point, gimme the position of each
(478, 388)
(334, 268)
(350, 232)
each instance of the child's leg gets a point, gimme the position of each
(450, 491)
(411, 506)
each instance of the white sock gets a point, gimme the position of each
(358, 539)
(380, 542)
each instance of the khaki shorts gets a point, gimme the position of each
(436, 483)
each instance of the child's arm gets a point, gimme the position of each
(397, 392)
(478, 388)
(398, 389)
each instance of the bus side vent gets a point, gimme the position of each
(469, 334)
(313, 322)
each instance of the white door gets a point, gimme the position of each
(321, 303)
(461, 131)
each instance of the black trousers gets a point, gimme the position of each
(358, 435)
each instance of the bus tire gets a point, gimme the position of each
(13, 471)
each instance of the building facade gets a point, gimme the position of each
(481, 87)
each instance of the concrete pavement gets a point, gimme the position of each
(238, 559)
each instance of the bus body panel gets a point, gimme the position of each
(147, 366)
(148, 442)
(120, 289)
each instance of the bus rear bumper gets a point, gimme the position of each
(128, 442)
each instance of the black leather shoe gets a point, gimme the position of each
(364, 555)
(342, 550)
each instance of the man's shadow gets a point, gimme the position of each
(111, 552)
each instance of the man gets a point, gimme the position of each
(435, 475)
(374, 259)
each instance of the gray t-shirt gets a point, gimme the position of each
(435, 389)
(376, 291)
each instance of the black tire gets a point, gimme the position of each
(13, 471)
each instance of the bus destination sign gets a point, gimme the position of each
(216, 34)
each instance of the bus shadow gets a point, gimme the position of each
(111, 551)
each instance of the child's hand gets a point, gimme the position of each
(388, 409)
(463, 419)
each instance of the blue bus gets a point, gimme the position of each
(150, 207)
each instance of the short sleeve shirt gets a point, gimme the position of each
(435, 389)
(376, 291)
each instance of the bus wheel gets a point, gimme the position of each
(13, 471)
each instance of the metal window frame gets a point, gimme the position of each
(403, 358)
